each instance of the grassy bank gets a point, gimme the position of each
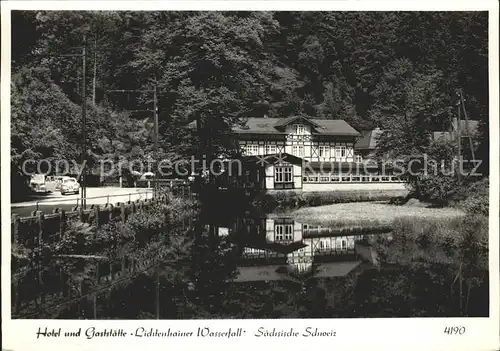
(370, 214)
(281, 201)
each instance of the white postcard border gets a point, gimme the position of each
(481, 333)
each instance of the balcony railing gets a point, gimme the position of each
(352, 179)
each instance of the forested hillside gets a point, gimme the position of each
(394, 70)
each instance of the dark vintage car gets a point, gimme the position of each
(69, 186)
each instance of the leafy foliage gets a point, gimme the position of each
(477, 198)
(370, 69)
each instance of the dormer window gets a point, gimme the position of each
(299, 129)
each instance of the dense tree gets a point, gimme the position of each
(42, 120)
(395, 70)
(408, 106)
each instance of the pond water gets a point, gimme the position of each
(245, 264)
(251, 250)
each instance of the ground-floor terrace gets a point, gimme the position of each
(287, 172)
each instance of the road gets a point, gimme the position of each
(95, 196)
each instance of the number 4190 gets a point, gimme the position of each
(454, 330)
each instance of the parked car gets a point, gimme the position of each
(37, 183)
(59, 181)
(69, 185)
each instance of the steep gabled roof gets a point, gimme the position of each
(286, 121)
(369, 140)
(259, 125)
(335, 127)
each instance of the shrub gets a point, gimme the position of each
(437, 189)
(77, 239)
(451, 241)
(142, 225)
(477, 198)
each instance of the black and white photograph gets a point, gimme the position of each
(246, 165)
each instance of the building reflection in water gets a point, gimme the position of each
(274, 248)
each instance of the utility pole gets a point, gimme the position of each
(155, 103)
(84, 126)
(83, 55)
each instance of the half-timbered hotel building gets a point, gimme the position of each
(307, 154)
(310, 155)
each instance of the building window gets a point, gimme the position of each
(340, 152)
(252, 149)
(299, 129)
(298, 150)
(283, 232)
(359, 159)
(283, 174)
(270, 149)
(324, 151)
(278, 233)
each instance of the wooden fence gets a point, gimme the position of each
(43, 227)
(45, 289)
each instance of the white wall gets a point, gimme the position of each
(269, 177)
(307, 144)
(352, 186)
(297, 176)
(269, 182)
(269, 230)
